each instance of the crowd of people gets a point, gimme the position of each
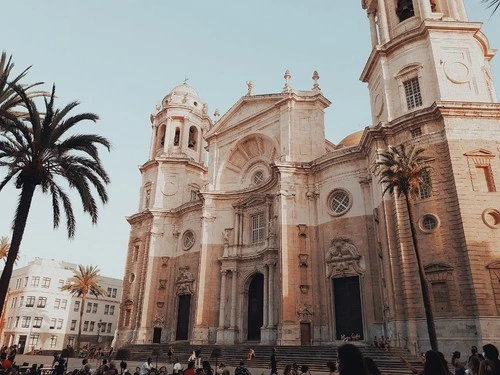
(350, 361)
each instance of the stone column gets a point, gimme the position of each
(233, 298)
(166, 142)
(453, 9)
(152, 150)
(222, 305)
(271, 295)
(382, 22)
(373, 28)
(266, 295)
(462, 11)
(425, 9)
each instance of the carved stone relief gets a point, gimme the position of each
(343, 259)
(185, 281)
(305, 312)
(159, 321)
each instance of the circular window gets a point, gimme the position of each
(132, 277)
(491, 218)
(188, 240)
(258, 178)
(339, 202)
(428, 223)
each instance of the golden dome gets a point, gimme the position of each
(352, 139)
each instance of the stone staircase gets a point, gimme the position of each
(315, 357)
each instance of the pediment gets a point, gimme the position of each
(245, 109)
(251, 201)
(437, 267)
(480, 152)
(494, 265)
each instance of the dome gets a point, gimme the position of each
(352, 139)
(182, 95)
(184, 89)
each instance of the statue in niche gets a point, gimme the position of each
(148, 197)
(405, 9)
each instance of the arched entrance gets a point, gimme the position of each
(255, 317)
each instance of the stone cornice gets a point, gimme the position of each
(240, 194)
(140, 216)
(419, 32)
(172, 160)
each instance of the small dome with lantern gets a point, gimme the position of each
(183, 95)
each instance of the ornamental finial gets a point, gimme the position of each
(216, 115)
(287, 76)
(315, 78)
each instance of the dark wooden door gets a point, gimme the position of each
(305, 334)
(255, 307)
(348, 314)
(156, 335)
(183, 311)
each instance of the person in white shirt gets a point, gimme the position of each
(146, 367)
(177, 366)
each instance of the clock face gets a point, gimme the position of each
(170, 188)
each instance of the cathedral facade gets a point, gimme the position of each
(252, 227)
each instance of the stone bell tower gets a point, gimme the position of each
(167, 224)
(177, 149)
(424, 51)
(430, 85)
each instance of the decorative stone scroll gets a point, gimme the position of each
(343, 259)
(185, 281)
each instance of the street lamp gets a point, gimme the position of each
(99, 325)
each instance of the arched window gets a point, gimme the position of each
(160, 137)
(177, 136)
(193, 137)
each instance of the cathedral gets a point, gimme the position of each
(253, 227)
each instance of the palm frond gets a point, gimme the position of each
(36, 150)
(401, 169)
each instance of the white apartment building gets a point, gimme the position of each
(39, 316)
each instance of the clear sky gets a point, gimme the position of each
(119, 58)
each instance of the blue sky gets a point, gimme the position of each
(119, 58)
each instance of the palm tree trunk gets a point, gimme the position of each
(23, 209)
(431, 328)
(84, 297)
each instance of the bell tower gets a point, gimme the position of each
(424, 51)
(177, 156)
(431, 86)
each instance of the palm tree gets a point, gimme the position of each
(37, 151)
(404, 171)
(494, 4)
(85, 281)
(9, 99)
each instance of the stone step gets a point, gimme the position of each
(315, 357)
